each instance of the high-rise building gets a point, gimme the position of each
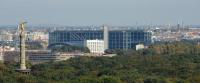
(117, 39)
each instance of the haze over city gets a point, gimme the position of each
(98, 12)
(99, 41)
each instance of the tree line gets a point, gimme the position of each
(176, 62)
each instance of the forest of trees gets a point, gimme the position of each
(69, 48)
(177, 62)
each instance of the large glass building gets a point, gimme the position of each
(117, 39)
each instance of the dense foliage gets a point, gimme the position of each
(162, 63)
(69, 48)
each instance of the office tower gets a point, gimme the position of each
(117, 38)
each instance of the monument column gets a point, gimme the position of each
(22, 46)
(22, 35)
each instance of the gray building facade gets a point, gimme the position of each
(117, 39)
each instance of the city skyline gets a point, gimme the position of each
(93, 12)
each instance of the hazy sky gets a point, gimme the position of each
(98, 12)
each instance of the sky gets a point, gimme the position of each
(99, 12)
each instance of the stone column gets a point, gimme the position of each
(22, 46)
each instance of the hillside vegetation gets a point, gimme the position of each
(176, 62)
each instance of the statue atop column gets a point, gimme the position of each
(22, 35)
(22, 46)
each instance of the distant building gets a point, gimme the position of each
(95, 46)
(39, 56)
(6, 36)
(6, 48)
(139, 46)
(117, 39)
(1, 56)
(45, 56)
(37, 36)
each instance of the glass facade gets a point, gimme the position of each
(128, 39)
(125, 39)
